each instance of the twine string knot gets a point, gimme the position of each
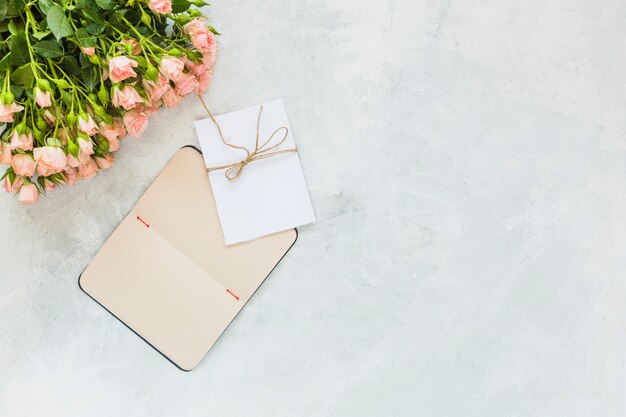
(266, 150)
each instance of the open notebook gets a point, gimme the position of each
(165, 271)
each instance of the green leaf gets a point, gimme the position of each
(40, 35)
(45, 5)
(93, 15)
(17, 91)
(212, 29)
(95, 28)
(4, 9)
(5, 62)
(19, 49)
(58, 23)
(84, 38)
(23, 76)
(86, 4)
(179, 6)
(106, 4)
(48, 49)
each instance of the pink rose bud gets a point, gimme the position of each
(114, 144)
(171, 99)
(208, 59)
(201, 37)
(85, 149)
(28, 194)
(88, 169)
(50, 118)
(195, 68)
(70, 175)
(88, 50)
(23, 141)
(24, 164)
(5, 154)
(156, 89)
(171, 68)
(160, 6)
(128, 98)
(121, 68)
(12, 187)
(8, 110)
(135, 123)
(72, 162)
(87, 125)
(135, 47)
(49, 185)
(204, 81)
(105, 162)
(43, 98)
(186, 84)
(108, 131)
(50, 160)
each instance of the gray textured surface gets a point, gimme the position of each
(465, 160)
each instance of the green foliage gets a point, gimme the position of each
(58, 23)
(55, 67)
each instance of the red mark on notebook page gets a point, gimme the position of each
(141, 220)
(231, 293)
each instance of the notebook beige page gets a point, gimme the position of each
(165, 271)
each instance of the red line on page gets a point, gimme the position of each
(231, 293)
(141, 220)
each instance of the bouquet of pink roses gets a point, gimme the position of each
(79, 75)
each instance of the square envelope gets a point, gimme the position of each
(270, 195)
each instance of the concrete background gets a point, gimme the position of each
(466, 163)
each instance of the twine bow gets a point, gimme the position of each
(234, 170)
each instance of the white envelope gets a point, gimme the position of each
(271, 194)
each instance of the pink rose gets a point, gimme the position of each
(88, 169)
(160, 6)
(24, 164)
(171, 99)
(108, 131)
(85, 149)
(197, 24)
(14, 187)
(50, 118)
(23, 141)
(208, 59)
(156, 89)
(50, 160)
(171, 68)
(105, 162)
(114, 144)
(136, 48)
(87, 125)
(128, 98)
(135, 123)
(201, 37)
(204, 81)
(43, 98)
(8, 110)
(88, 50)
(28, 194)
(49, 185)
(72, 162)
(186, 84)
(119, 125)
(121, 68)
(5, 154)
(63, 134)
(195, 68)
(70, 175)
